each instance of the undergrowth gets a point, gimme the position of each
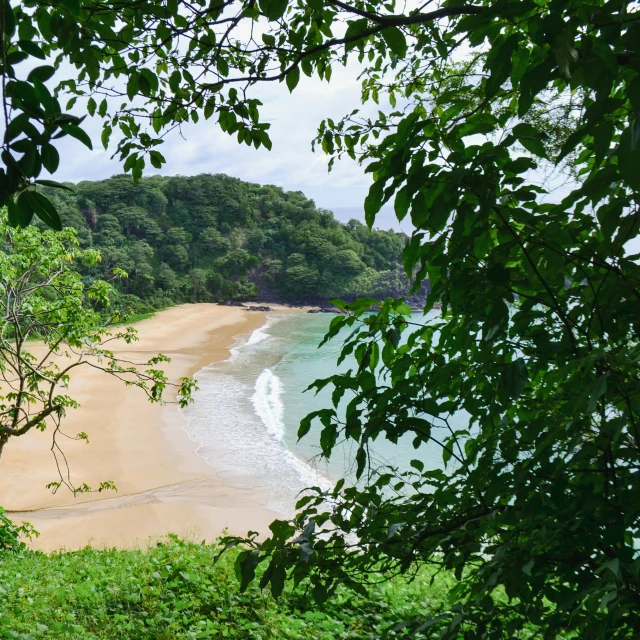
(174, 590)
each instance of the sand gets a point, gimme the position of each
(163, 485)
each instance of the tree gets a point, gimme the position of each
(256, 240)
(527, 379)
(490, 102)
(51, 326)
(198, 280)
(108, 231)
(132, 220)
(175, 249)
(300, 282)
(213, 242)
(347, 262)
(147, 68)
(166, 277)
(131, 235)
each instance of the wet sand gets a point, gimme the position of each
(163, 486)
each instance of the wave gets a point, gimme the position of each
(260, 334)
(267, 403)
(238, 420)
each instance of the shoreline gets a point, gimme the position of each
(164, 486)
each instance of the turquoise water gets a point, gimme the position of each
(248, 408)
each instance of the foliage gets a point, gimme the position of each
(538, 337)
(212, 237)
(528, 379)
(147, 68)
(175, 591)
(50, 325)
(11, 535)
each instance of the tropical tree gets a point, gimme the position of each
(493, 104)
(52, 325)
(146, 68)
(519, 166)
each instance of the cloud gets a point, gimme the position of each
(294, 119)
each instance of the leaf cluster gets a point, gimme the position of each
(52, 323)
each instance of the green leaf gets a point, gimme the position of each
(247, 562)
(531, 139)
(401, 203)
(373, 202)
(528, 566)
(361, 461)
(612, 565)
(152, 80)
(34, 202)
(222, 66)
(629, 159)
(77, 133)
(133, 84)
(534, 80)
(43, 73)
(598, 390)
(9, 19)
(175, 79)
(395, 41)
(499, 64)
(278, 578)
(55, 185)
(32, 49)
(515, 377)
(519, 64)
(356, 27)
(602, 136)
(73, 6)
(292, 78)
(144, 85)
(106, 135)
(273, 9)
(565, 52)
(18, 216)
(157, 159)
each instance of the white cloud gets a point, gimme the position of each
(204, 148)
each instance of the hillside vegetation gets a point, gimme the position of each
(213, 237)
(175, 591)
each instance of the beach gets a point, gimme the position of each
(163, 486)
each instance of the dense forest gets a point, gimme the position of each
(213, 238)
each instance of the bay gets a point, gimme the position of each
(248, 409)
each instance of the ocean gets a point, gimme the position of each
(248, 408)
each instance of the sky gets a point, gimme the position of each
(291, 164)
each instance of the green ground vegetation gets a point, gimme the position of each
(213, 237)
(175, 590)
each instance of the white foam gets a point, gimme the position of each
(238, 421)
(267, 403)
(259, 334)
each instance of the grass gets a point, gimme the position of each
(174, 591)
(133, 318)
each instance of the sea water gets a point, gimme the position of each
(248, 408)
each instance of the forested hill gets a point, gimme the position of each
(213, 237)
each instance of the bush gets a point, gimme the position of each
(11, 534)
(175, 590)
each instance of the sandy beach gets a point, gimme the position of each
(163, 486)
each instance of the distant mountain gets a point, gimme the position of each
(213, 237)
